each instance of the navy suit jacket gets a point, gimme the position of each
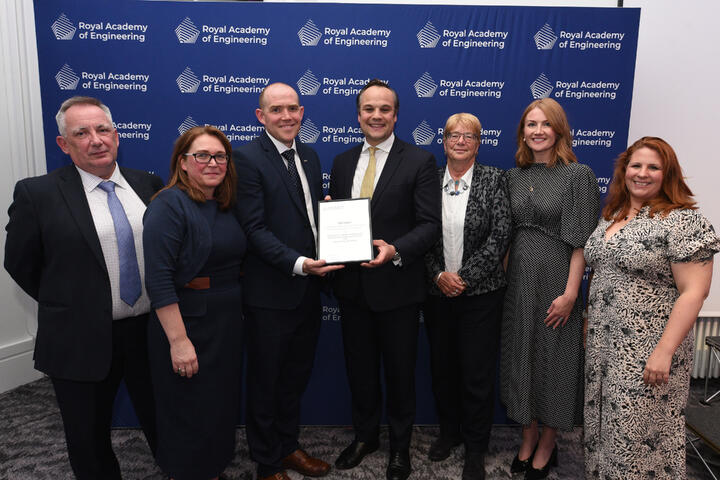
(405, 212)
(276, 223)
(53, 253)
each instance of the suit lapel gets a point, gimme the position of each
(139, 184)
(276, 160)
(72, 190)
(392, 163)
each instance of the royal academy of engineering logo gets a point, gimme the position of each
(66, 78)
(428, 36)
(309, 133)
(545, 38)
(188, 82)
(425, 86)
(541, 87)
(423, 134)
(308, 84)
(309, 34)
(63, 28)
(186, 31)
(187, 124)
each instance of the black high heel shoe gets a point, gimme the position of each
(536, 474)
(519, 466)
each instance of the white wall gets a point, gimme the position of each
(674, 98)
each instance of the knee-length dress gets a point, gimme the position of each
(196, 416)
(554, 210)
(635, 431)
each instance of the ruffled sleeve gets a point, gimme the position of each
(692, 238)
(581, 206)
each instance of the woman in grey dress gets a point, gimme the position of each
(652, 255)
(555, 204)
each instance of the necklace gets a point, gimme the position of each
(455, 191)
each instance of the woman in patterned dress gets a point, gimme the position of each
(466, 282)
(555, 205)
(652, 256)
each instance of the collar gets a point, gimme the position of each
(463, 183)
(384, 146)
(91, 181)
(280, 146)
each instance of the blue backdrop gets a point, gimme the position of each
(163, 67)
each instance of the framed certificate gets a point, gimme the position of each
(345, 231)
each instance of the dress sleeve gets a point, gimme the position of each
(581, 206)
(164, 229)
(692, 238)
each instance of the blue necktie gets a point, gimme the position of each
(292, 171)
(130, 287)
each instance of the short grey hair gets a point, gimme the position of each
(78, 100)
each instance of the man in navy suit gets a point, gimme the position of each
(62, 250)
(279, 184)
(380, 300)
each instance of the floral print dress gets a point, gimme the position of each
(635, 431)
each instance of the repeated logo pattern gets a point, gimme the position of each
(63, 28)
(66, 78)
(545, 38)
(428, 36)
(309, 133)
(309, 34)
(541, 87)
(423, 134)
(308, 84)
(425, 86)
(186, 31)
(187, 124)
(188, 82)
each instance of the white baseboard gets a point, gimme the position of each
(16, 364)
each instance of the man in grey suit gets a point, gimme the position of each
(62, 249)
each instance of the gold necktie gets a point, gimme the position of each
(368, 184)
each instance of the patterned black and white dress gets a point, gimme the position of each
(634, 431)
(554, 211)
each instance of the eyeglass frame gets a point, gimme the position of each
(469, 137)
(210, 157)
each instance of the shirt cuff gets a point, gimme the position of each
(298, 268)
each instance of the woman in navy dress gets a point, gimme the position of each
(194, 248)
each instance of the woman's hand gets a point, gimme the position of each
(559, 311)
(183, 357)
(657, 368)
(450, 284)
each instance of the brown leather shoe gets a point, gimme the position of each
(303, 463)
(277, 476)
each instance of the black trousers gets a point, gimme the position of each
(86, 407)
(464, 337)
(370, 338)
(281, 350)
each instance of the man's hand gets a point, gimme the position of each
(385, 253)
(318, 267)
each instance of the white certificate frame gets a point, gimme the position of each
(345, 231)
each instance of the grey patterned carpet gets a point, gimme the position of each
(32, 446)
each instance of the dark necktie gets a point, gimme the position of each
(130, 287)
(293, 173)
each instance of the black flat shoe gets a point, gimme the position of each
(442, 447)
(536, 474)
(519, 466)
(354, 454)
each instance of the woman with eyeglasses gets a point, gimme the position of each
(555, 204)
(466, 287)
(194, 247)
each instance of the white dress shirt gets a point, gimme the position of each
(454, 206)
(381, 155)
(105, 228)
(281, 147)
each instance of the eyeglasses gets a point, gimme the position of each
(455, 136)
(204, 158)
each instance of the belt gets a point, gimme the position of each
(214, 281)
